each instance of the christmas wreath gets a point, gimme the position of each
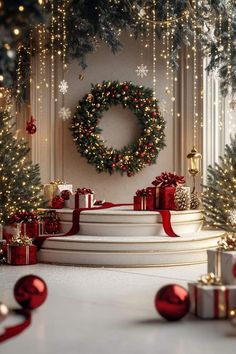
(87, 135)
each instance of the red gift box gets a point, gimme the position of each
(144, 203)
(168, 182)
(30, 229)
(167, 198)
(155, 192)
(21, 255)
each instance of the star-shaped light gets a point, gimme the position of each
(142, 70)
(63, 87)
(65, 113)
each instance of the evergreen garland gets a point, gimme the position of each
(93, 21)
(219, 197)
(15, 15)
(20, 186)
(87, 135)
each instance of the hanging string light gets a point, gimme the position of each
(154, 48)
(195, 78)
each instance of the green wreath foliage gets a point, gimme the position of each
(131, 158)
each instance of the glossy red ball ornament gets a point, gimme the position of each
(30, 291)
(234, 270)
(172, 302)
(30, 126)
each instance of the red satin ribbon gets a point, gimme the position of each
(165, 214)
(17, 329)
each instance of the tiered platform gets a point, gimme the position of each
(121, 237)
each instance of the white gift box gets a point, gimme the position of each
(212, 301)
(223, 263)
(51, 190)
(80, 201)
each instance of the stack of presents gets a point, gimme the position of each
(214, 295)
(167, 192)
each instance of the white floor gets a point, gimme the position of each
(110, 311)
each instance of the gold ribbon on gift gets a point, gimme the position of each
(57, 182)
(228, 242)
(209, 279)
(20, 240)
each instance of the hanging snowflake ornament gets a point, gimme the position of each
(232, 217)
(65, 113)
(142, 70)
(63, 87)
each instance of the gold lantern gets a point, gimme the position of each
(194, 164)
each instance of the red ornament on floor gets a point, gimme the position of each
(30, 291)
(172, 302)
(30, 126)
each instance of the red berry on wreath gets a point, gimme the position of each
(30, 291)
(126, 87)
(30, 126)
(124, 168)
(58, 202)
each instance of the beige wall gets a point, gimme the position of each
(54, 148)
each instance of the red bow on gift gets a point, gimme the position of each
(168, 179)
(145, 192)
(84, 191)
(65, 194)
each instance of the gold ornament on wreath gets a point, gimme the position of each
(131, 158)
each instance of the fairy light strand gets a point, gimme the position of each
(154, 48)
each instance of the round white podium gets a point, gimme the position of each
(121, 237)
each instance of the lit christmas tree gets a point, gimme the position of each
(20, 185)
(219, 198)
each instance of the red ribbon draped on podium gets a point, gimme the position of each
(13, 331)
(165, 214)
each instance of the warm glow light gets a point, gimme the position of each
(16, 31)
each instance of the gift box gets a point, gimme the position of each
(155, 192)
(54, 189)
(167, 183)
(223, 263)
(212, 301)
(83, 198)
(20, 250)
(21, 255)
(66, 195)
(144, 200)
(167, 198)
(49, 223)
(30, 229)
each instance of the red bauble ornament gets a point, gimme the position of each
(30, 291)
(30, 126)
(126, 87)
(172, 302)
(234, 270)
(58, 202)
